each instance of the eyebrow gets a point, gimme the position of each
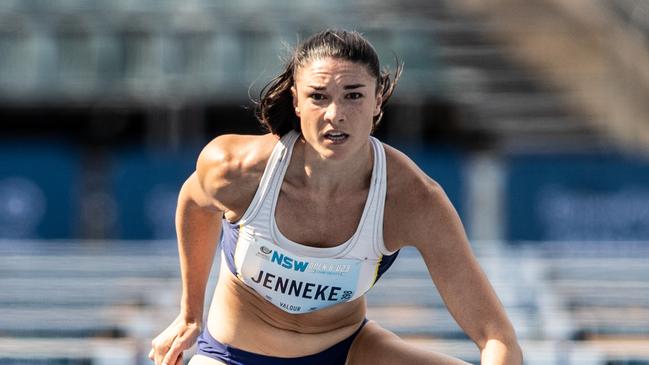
(353, 86)
(346, 87)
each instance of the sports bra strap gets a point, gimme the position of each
(270, 174)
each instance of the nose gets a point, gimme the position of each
(334, 113)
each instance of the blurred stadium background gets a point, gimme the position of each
(532, 115)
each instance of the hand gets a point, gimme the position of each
(167, 348)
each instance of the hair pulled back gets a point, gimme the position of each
(275, 107)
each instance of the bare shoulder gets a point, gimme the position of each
(408, 186)
(416, 205)
(230, 167)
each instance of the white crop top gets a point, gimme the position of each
(299, 278)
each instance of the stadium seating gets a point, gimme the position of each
(74, 302)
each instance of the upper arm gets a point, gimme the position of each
(429, 222)
(457, 274)
(228, 171)
(215, 169)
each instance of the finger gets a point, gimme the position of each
(154, 354)
(180, 359)
(159, 353)
(174, 352)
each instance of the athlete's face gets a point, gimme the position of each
(336, 101)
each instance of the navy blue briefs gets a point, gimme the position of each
(334, 355)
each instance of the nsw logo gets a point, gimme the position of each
(288, 262)
(264, 253)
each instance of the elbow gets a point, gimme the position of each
(502, 344)
(513, 348)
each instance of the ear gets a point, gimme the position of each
(377, 107)
(294, 95)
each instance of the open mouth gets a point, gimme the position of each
(336, 137)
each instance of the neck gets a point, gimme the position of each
(326, 176)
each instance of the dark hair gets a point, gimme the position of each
(275, 107)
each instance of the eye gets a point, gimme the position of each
(317, 96)
(354, 96)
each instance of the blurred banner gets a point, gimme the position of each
(579, 197)
(145, 187)
(39, 189)
(47, 191)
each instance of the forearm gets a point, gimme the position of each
(198, 228)
(497, 352)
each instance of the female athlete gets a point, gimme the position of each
(310, 216)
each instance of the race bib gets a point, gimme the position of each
(294, 283)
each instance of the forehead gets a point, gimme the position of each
(326, 70)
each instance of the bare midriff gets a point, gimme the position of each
(241, 318)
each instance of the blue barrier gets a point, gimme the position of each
(39, 183)
(577, 197)
(145, 185)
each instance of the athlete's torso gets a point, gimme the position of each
(295, 277)
(277, 278)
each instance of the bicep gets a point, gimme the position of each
(193, 190)
(214, 173)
